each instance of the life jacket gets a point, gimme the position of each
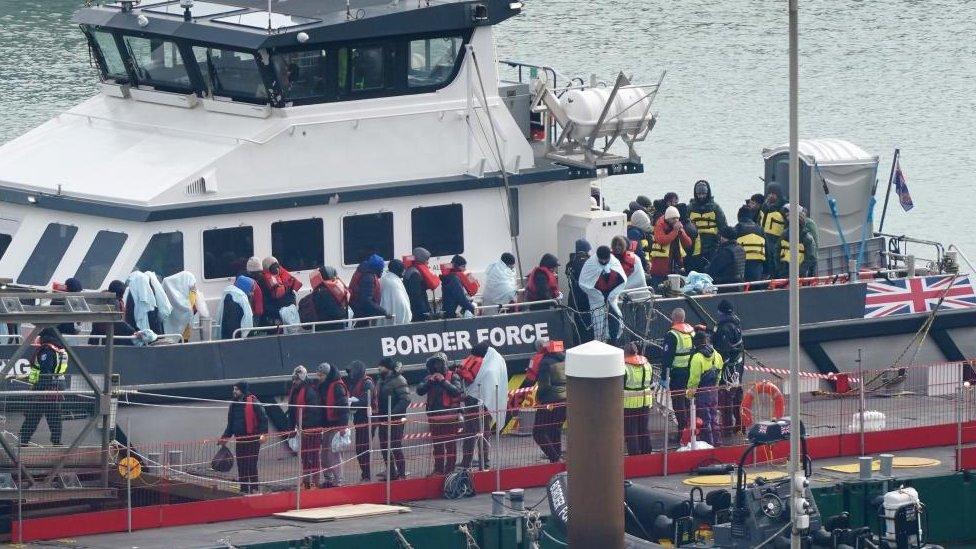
(555, 346)
(354, 286)
(705, 221)
(359, 391)
(682, 353)
(338, 290)
(468, 280)
(784, 251)
(438, 394)
(250, 415)
(754, 245)
(627, 261)
(607, 282)
(34, 376)
(773, 222)
(430, 280)
(331, 412)
(469, 368)
(638, 374)
(640, 248)
(532, 290)
(663, 251)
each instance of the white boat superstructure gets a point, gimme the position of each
(313, 133)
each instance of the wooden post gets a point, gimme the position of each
(595, 463)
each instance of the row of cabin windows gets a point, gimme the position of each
(297, 244)
(300, 76)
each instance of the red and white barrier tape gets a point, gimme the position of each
(811, 375)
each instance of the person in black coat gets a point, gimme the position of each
(305, 416)
(443, 390)
(330, 297)
(394, 399)
(578, 301)
(363, 399)
(727, 340)
(728, 265)
(455, 296)
(365, 288)
(417, 280)
(334, 396)
(247, 423)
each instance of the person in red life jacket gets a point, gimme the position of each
(551, 401)
(418, 280)
(393, 395)
(668, 250)
(542, 283)
(364, 289)
(334, 396)
(443, 390)
(305, 416)
(261, 291)
(476, 417)
(454, 293)
(363, 400)
(281, 284)
(638, 398)
(328, 301)
(247, 423)
(676, 364)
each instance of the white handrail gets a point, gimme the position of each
(349, 321)
(964, 258)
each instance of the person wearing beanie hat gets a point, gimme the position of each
(281, 292)
(365, 291)
(709, 218)
(256, 273)
(806, 253)
(727, 340)
(542, 284)
(773, 223)
(577, 299)
(418, 280)
(329, 300)
(335, 417)
(582, 246)
(645, 203)
(247, 423)
(501, 282)
(728, 263)
(253, 265)
(442, 387)
(235, 310)
(393, 294)
(305, 415)
(455, 299)
(704, 372)
(668, 247)
(393, 400)
(750, 236)
(364, 400)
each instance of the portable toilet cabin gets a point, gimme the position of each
(849, 174)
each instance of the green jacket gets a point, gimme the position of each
(701, 364)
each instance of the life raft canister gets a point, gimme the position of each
(762, 388)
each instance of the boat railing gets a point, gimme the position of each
(100, 338)
(898, 251)
(552, 75)
(349, 322)
(954, 248)
(515, 307)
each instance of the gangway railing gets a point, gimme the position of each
(349, 322)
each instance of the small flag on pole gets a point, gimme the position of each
(901, 186)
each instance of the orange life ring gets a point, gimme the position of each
(762, 388)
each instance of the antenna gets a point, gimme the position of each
(269, 16)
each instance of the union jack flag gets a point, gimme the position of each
(917, 295)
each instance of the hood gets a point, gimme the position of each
(701, 183)
(642, 221)
(706, 350)
(729, 317)
(373, 264)
(549, 261)
(356, 369)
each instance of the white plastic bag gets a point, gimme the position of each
(342, 441)
(290, 319)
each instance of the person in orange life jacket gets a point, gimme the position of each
(364, 289)
(727, 340)
(455, 296)
(305, 415)
(667, 252)
(282, 286)
(418, 280)
(476, 417)
(393, 395)
(255, 272)
(329, 300)
(542, 283)
(443, 390)
(705, 370)
(675, 365)
(47, 369)
(550, 377)
(578, 301)
(247, 423)
(334, 396)
(637, 401)
(728, 262)
(363, 399)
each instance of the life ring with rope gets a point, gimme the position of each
(762, 388)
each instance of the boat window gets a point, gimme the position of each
(5, 240)
(46, 256)
(100, 258)
(163, 255)
(158, 63)
(362, 68)
(364, 235)
(440, 229)
(302, 74)
(432, 60)
(229, 73)
(298, 245)
(226, 251)
(112, 67)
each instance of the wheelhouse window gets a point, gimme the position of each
(163, 255)
(226, 251)
(432, 61)
(46, 256)
(298, 245)
(364, 235)
(100, 258)
(440, 229)
(158, 63)
(303, 75)
(362, 69)
(109, 56)
(229, 73)
(5, 240)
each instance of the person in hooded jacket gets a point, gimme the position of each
(749, 235)
(641, 233)
(363, 399)
(773, 224)
(116, 287)
(807, 247)
(455, 296)
(501, 282)
(393, 294)
(255, 272)
(727, 340)
(394, 399)
(709, 218)
(305, 417)
(705, 369)
(809, 265)
(235, 308)
(364, 289)
(442, 388)
(630, 261)
(334, 396)
(281, 285)
(728, 262)
(418, 280)
(578, 301)
(542, 283)
(329, 299)
(754, 205)
(247, 423)
(550, 375)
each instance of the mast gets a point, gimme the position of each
(794, 219)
